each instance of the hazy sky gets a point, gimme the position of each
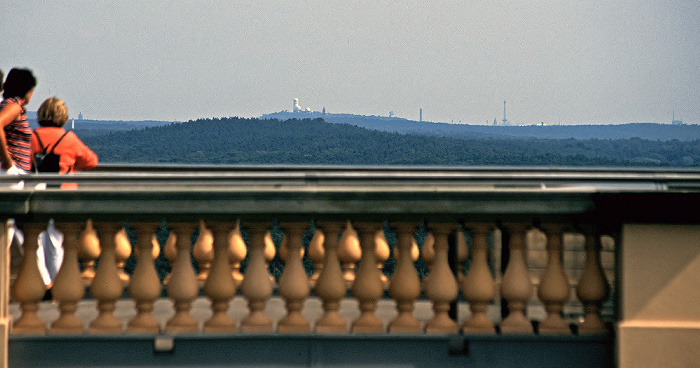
(553, 61)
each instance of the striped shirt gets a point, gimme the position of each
(18, 136)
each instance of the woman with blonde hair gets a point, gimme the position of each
(51, 137)
(70, 154)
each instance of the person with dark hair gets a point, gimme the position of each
(1, 79)
(15, 136)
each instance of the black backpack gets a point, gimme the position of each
(47, 161)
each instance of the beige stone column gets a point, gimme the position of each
(368, 287)
(145, 287)
(381, 254)
(441, 286)
(170, 253)
(294, 286)
(404, 287)
(219, 286)
(68, 287)
(88, 252)
(592, 288)
(554, 289)
(516, 285)
(182, 287)
(203, 252)
(29, 287)
(331, 287)
(256, 286)
(478, 286)
(122, 251)
(349, 253)
(316, 254)
(269, 253)
(237, 253)
(107, 286)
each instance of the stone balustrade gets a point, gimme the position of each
(470, 281)
(412, 251)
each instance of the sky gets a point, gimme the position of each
(554, 62)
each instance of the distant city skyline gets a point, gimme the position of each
(560, 62)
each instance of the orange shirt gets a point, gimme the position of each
(75, 155)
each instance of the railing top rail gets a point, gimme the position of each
(594, 179)
(310, 192)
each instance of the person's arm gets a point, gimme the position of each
(85, 158)
(8, 114)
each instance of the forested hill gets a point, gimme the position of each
(256, 141)
(650, 131)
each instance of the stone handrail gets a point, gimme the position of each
(352, 202)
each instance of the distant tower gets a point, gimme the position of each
(505, 121)
(674, 121)
(324, 112)
(420, 115)
(80, 116)
(295, 107)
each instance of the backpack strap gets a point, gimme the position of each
(57, 142)
(41, 144)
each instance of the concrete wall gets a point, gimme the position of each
(5, 319)
(660, 296)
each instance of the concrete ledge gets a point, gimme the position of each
(277, 350)
(659, 344)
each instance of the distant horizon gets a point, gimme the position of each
(32, 115)
(562, 62)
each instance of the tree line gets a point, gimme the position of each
(314, 141)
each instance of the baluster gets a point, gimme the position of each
(293, 285)
(203, 252)
(331, 287)
(441, 287)
(478, 286)
(170, 253)
(68, 287)
(349, 253)
(405, 283)
(220, 287)
(592, 287)
(462, 254)
(237, 253)
(29, 287)
(182, 287)
(107, 287)
(270, 254)
(256, 286)
(381, 254)
(155, 250)
(88, 252)
(554, 289)
(368, 287)
(145, 286)
(316, 254)
(122, 251)
(284, 250)
(415, 252)
(428, 254)
(516, 286)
